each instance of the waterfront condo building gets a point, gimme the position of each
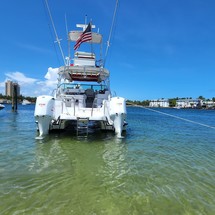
(9, 88)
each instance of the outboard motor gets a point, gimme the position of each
(43, 113)
(118, 113)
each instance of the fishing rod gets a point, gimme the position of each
(56, 35)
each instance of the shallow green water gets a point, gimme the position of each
(162, 166)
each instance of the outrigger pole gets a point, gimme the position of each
(67, 32)
(109, 38)
(57, 39)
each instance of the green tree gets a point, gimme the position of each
(201, 97)
(172, 102)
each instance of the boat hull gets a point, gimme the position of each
(55, 114)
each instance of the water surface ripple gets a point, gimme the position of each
(163, 166)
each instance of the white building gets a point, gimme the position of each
(188, 103)
(208, 104)
(9, 86)
(159, 103)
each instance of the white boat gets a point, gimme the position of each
(2, 106)
(26, 102)
(83, 95)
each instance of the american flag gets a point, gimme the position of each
(84, 37)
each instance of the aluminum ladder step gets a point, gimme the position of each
(82, 126)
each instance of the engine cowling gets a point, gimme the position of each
(118, 113)
(44, 111)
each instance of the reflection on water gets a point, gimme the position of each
(158, 168)
(115, 163)
(75, 173)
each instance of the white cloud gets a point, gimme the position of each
(20, 78)
(31, 86)
(47, 86)
(2, 84)
(51, 77)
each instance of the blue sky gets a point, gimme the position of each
(159, 48)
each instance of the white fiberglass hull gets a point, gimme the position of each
(52, 114)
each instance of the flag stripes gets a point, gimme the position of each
(84, 37)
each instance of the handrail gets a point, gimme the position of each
(74, 104)
(54, 92)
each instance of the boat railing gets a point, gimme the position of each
(54, 92)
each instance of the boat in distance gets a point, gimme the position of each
(83, 95)
(26, 102)
(2, 106)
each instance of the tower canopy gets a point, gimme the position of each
(74, 35)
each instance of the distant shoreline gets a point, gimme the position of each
(183, 108)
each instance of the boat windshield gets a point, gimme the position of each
(95, 87)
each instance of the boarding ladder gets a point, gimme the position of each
(82, 126)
